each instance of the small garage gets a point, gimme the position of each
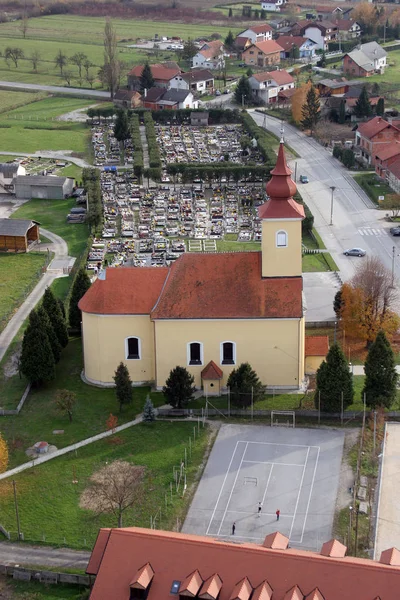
(48, 187)
(316, 349)
(18, 235)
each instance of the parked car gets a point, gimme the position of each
(355, 252)
(395, 230)
(218, 93)
(303, 179)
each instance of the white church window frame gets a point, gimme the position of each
(137, 356)
(281, 239)
(226, 361)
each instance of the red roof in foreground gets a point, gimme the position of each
(211, 371)
(389, 150)
(158, 71)
(231, 569)
(316, 345)
(372, 127)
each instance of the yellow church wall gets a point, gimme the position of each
(274, 348)
(312, 364)
(105, 347)
(281, 261)
(212, 387)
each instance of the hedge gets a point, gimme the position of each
(137, 146)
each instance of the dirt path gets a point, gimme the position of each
(79, 115)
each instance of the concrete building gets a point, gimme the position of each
(162, 75)
(305, 47)
(365, 60)
(172, 99)
(8, 171)
(263, 54)
(227, 308)
(273, 5)
(198, 81)
(43, 186)
(257, 33)
(267, 85)
(210, 56)
(320, 32)
(17, 235)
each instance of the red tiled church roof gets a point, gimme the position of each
(224, 567)
(211, 371)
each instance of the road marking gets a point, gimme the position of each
(279, 444)
(266, 487)
(298, 495)
(222, 487)
(372, 231)
(252, 513)
(309, 498)
(268, 462)
(233, 487)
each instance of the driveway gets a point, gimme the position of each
(22, 554)
(55, 89)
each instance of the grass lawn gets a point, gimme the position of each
(40, 417)
(372, 186)
(313, 263)
(45, 109)
(228, 245)
(11, 100)
(34, 590)
(158, 447)
(19, 275)
(72, 171)
(19, 138)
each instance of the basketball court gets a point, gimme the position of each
(295, 471)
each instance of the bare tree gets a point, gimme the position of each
(113, 489)
(111, 62)
(68, 76)
(90, 78)
(13, 54)
(35, 59)
(61, 61)
(78, 59)
(376, 281)
(87, 64)
(65, 401)
(24, 24)
(392, 202)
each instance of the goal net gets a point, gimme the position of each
(283, 418)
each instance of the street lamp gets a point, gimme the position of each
(332, 188)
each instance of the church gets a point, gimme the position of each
(207, 312)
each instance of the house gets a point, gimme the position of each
(330, 87)
(17, 235)
(43, 186)
(320, 32)
(385, 157)
(277, 24)
(257, 33)
(210, 56)
(316, 349)
(199, 118)
(273, 5)
(127, 99)
(162, 75)
(393, 176)
(173, 99)
(374, 135)
(365, 60)
(263, 54)
(241, 43)
(306, 48)
(267, 85)
(228, 308)
(348, 29)
(198, 81)
(8, 171)
(331, 105)
(133, 562)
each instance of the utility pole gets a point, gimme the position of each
(242, 100)
(16, 509)
(374, 433)
(393, 257)
(333, 188)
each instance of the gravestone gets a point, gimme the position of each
(362, 493)
(363, 508)
(22, 575)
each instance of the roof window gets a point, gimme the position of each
(175, 587)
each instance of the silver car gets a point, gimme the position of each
(355, 252)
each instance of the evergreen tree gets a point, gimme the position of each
(244, 385)
(338, 303)
(375, 89)
(294, 52)
(57, 319)
(189, 50)
(249, 72)
(348, 158)
(322, 61)
(179, 387)
(146, 78)
(263, 14)
(123, 385)
(380, 373)
(229, 40)
(333, 380)
(51, 334)
(311, 110)
(149, 414)
(230, 14)
(342, 111)
(363, 106)
(243, 91)
(380, 107)
(37, 360)
(62, 308)
(121, 127)
(80, 287)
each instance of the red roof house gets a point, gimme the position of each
(162, 75)
(373, 136)
(386, 156)
(262, 54)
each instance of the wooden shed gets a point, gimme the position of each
(16, 235)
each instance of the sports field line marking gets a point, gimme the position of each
(233, 487)
(268, 462)
(240, 537)
(309, 498)
(279, 444)
(266, 487)
(299, 492)
(222, 487)
(255, 514)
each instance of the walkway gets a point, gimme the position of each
(64, 155)
(23, 554)
(55, 89)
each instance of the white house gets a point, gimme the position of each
(320, 32)
(198, 81)
(273, 5)
(258, 33)
(210, 56)
(376, 54)
(267, 85)
(7, 173)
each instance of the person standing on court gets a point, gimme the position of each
(278, 512)
(233, 528)
(259, 508)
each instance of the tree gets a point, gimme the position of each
(61, 61)
(230, 13)
(149, 414)
(112, 423)
(363, 106)
(14, 54)
(68, 76)
(243, 91)
(3, 455)
(338, 303)
(78, 59)
(337, 152)
(310, 111)
(244, 385)
(348, 158)
(80, 287)
(249, 72)
(322, 61)
(392, 203)
(37, 360)
(375, 88)
(121, 127)
(123, 385)
(342, 111)
(179, 388)
(111, 65)
(229, 40)
(24, 25)
(51, 334)
(367, 301)
(114, 488)
(334, 389)
(146, 78)
(294, 52)
(380, 107)
(65, 401)
(189, 50)
(298, 100)
(90, 78)
(87, 64)
(62, 308)
(35, 59)
(380, 383)
(365, 14)
(57, 319)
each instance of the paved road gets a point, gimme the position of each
(356, 222)
(55, 89)
(23, 554)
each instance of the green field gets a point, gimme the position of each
(372, 186)
(32, 139)
(11, 100)
(19, 275)
(157, 446)
(34, 590)
(46, 109)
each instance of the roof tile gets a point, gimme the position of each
(276, 541)
(211, 371)
(267, 47)
(211, 588)
(190, 587)
(316, 345)
(242, 590)
(334, 549)
(143, 577)
(373, 127)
